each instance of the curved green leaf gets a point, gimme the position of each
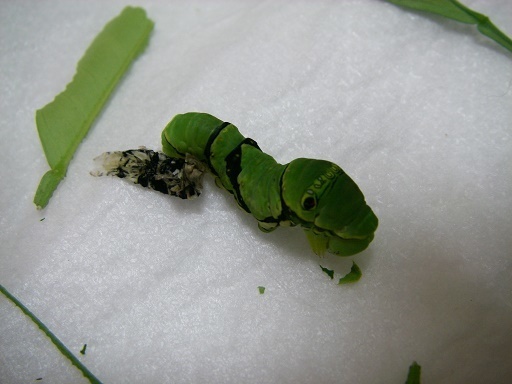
(353, 276)
(457, 11)
(63, 123)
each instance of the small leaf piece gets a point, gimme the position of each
(63, 123)
(353, 276)
(261, 290)
(329, 272)
(413, 377)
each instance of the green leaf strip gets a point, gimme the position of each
(60, 346)
(63, 123)
(457, 11)
(353, 276)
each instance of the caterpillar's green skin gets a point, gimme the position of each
(315, 194)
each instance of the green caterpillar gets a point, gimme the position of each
(315, 194)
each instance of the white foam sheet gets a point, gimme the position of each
(416, 108)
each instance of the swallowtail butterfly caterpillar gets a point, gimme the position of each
(314, 194)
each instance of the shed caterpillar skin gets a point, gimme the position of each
(180, 177)
(315, 194)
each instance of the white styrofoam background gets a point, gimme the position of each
(416, 108)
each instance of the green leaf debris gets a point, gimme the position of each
(353, 276)
(414, 374)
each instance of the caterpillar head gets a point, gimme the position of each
(329, 205)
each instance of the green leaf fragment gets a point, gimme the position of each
(413, 377)
(63, 123)
(457, 11)
(353, 276)
(261, 290)
(329, 272)
(60, 346)
(446, 8)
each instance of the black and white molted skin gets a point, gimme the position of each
(180, 177)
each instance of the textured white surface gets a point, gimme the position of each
(417, 109)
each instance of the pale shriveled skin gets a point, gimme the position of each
(173, 176)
